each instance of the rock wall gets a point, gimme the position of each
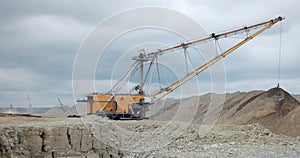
(52, 142)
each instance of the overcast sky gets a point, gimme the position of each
(40, 39)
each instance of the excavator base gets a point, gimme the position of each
(121, 116)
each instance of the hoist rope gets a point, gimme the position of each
(279, 56)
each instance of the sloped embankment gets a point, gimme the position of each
(275, 109)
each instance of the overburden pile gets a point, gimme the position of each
(275, 109)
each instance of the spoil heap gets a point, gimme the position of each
(57, 111)
(275, 109)
(270, 108)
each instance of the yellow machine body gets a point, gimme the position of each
(109, 103)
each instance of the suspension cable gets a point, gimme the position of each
(186, 64)
(158, 75)
(150, 79)
(149, 68)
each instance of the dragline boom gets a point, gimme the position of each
(178, 83)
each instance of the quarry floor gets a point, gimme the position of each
(94, 136)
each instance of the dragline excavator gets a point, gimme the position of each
(135, 106)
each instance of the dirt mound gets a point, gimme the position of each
(79, 109)
(232, 102)
(275, 109)
(289, 124)
(297, 96)
(183, 109)
(57, 111)
(265, 108)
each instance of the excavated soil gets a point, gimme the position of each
(275, 109)
(270, 109)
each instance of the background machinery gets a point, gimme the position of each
(135, 106)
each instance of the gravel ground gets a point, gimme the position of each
(149, 138)
(178, 139)
(222, 141)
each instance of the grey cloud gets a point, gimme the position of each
(91, 11)
(39, 41)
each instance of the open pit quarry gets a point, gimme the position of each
(249, 124)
